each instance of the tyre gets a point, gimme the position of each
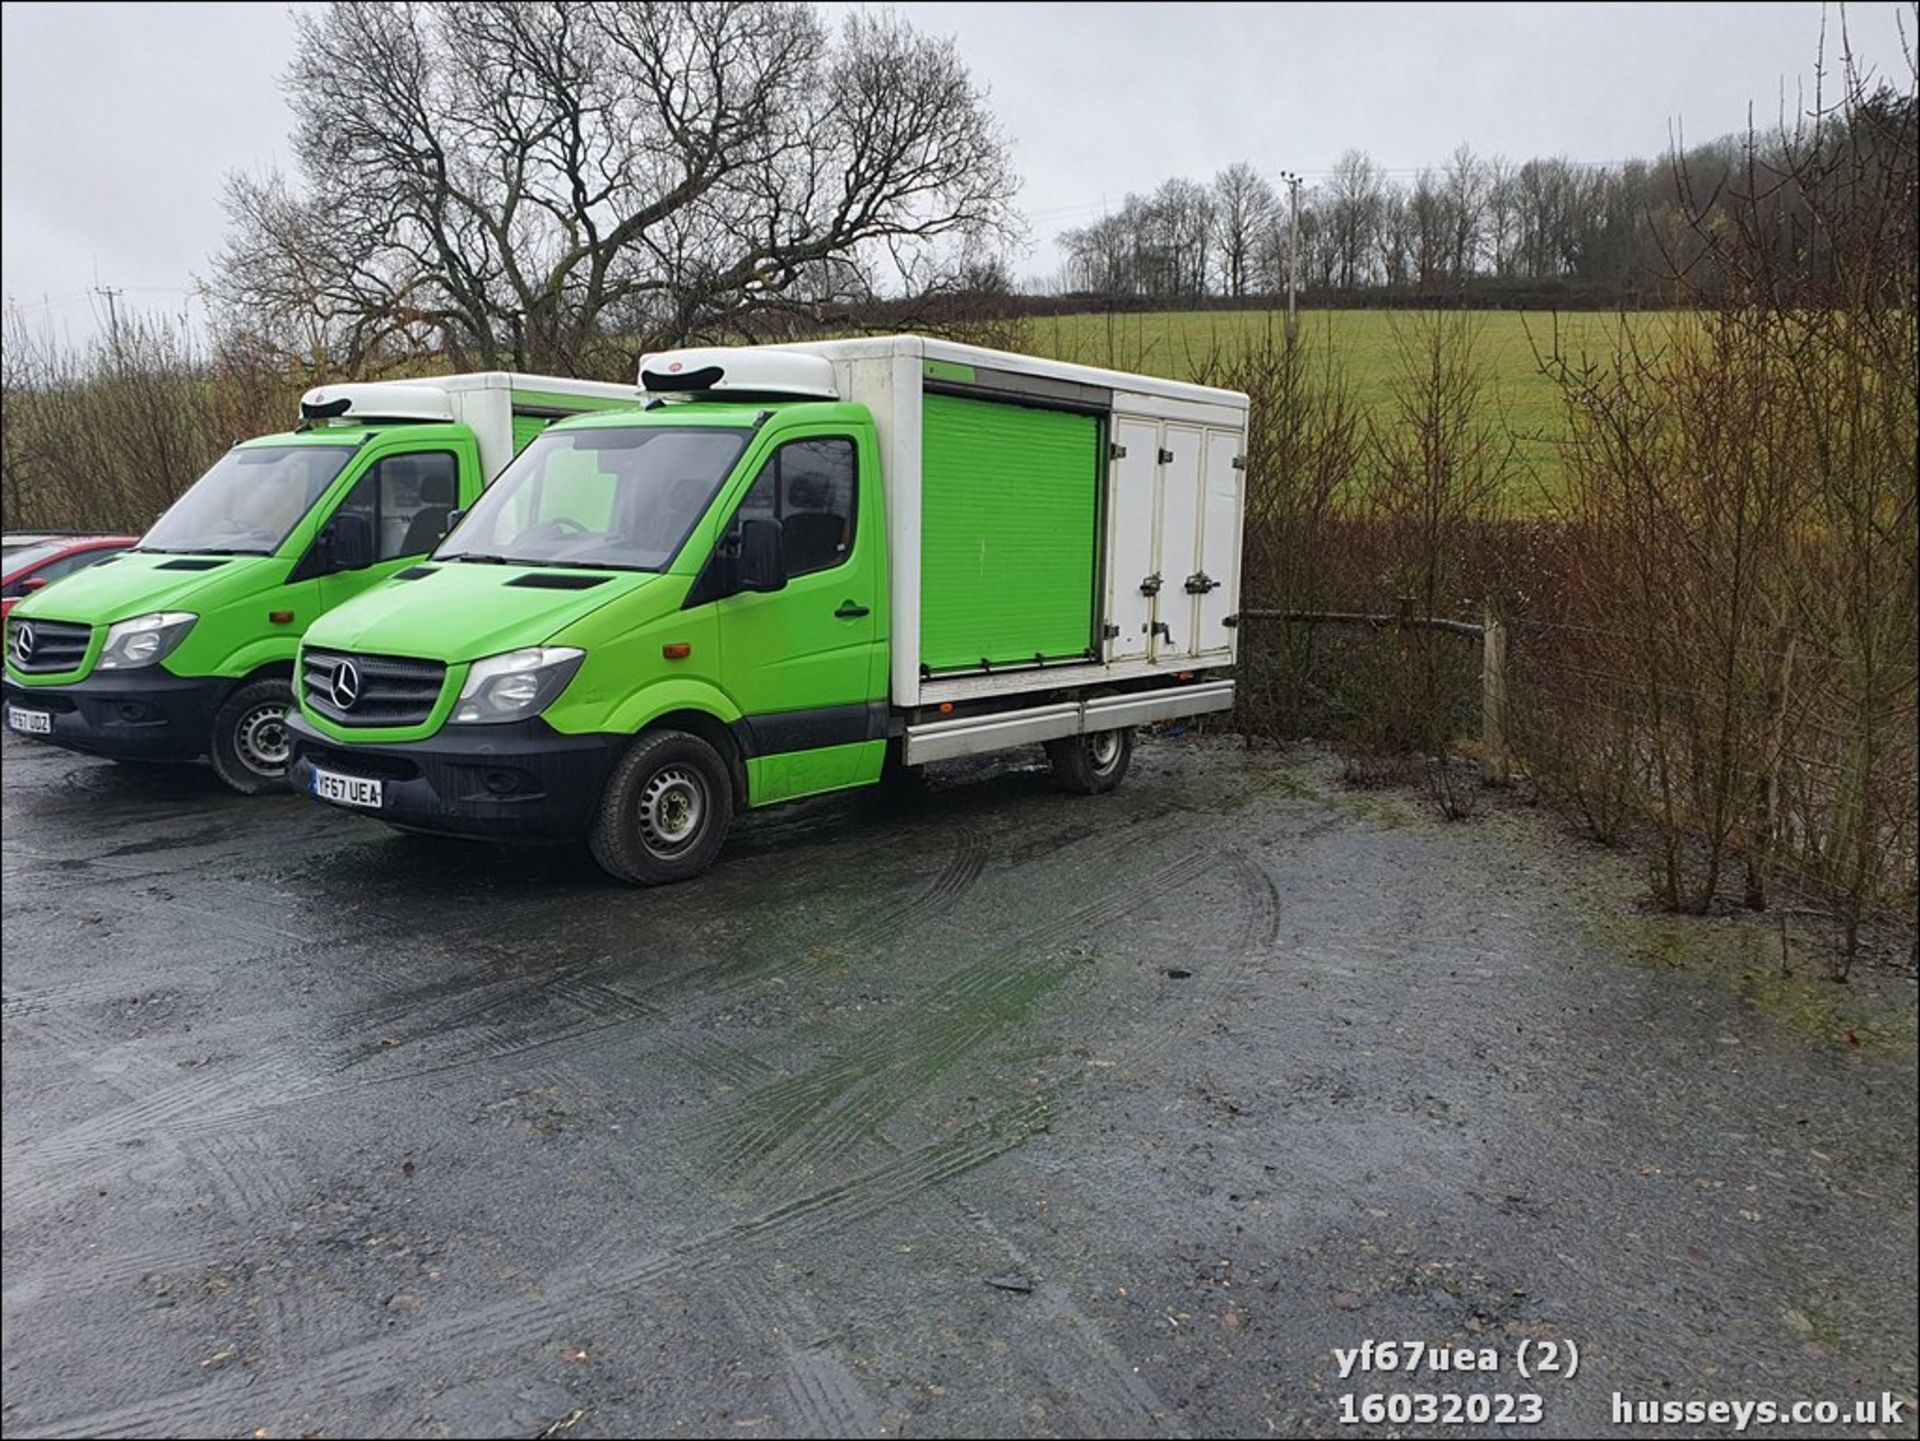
(665, 812)
(250, 747)
(1091, 764)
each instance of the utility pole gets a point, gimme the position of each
(111, 295)
(1293, 252)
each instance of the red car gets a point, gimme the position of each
(25, 568)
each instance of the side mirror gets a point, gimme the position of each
(32, 583)
(762, 563)
(349, 540)
(454, 517)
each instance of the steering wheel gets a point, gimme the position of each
(559, 527)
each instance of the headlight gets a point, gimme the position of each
(516, 685)
(143, 640)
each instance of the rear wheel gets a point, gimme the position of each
(666, 810)
(251, 747)
(1094, 763)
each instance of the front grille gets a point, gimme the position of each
(380, 690)
(46, 647)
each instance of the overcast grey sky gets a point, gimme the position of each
(120, 120)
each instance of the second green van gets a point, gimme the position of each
(183, 646)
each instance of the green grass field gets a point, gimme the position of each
(1369, 345)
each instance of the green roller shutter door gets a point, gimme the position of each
(526, 427)
(1008, 508)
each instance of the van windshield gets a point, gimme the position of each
(249, 502)
(612, 499)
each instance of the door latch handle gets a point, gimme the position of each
(849, 611)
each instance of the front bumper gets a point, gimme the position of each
(522, 782)
(149, 714)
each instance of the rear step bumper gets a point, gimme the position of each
(973, 735)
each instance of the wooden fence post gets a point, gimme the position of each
(1495, 765)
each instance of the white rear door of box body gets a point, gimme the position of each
(1179, 557)
(1220, 541)
(1132, 497)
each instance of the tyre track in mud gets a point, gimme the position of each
(1123, 1402)
(820, 1387)
(567, 1299)
(247, 1176)
(813, 1118)
(881, 927)
(826, 1397)
(308, 1068)
(1219, 971)
(823, 1396)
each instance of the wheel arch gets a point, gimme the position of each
(715, 732)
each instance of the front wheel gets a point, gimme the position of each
(665, 812)
(250, 747)
(1094, 763)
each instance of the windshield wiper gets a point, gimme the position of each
(196, 550)
(482, 558)
(589, 565)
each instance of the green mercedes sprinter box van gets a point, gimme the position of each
(793, 563)
(184, 646)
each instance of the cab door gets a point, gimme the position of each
(799, 661)
(394, 515)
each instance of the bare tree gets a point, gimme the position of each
(1182, 225)
(1244, 209)
(1399, 240)
(523, 181)
(1501, 207)
(1099, 255)
(1158, 245)
(1354, 194)
(1467, 184)
(1428, 227)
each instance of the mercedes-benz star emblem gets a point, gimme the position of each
(23, 642)
(346, 684)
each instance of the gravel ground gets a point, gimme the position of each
(997, 1112)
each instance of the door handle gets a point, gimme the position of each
(849, 611)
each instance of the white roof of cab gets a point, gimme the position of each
(376, 400)
(739, 369)
(424, 397)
